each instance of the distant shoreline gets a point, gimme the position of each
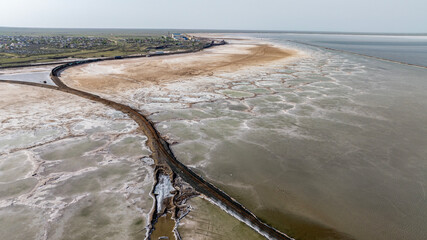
(359, 54)
(210, 43)
(66, 31)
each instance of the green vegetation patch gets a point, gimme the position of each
(23, 47)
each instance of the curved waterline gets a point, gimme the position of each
(358, 54)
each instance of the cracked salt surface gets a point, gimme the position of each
(314, 136)
(70, 168)
(324, 140)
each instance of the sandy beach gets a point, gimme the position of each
(110, 76)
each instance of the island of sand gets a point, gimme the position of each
(118, 76)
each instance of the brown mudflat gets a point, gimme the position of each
(111, 76)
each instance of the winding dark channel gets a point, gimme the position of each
(163, 155)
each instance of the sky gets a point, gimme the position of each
(394, 16)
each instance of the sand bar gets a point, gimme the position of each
(112, 76)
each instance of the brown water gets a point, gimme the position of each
(164, 228)
(206, 221)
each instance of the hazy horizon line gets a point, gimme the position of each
(228, 30)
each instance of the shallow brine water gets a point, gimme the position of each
(401, 48)
(327, 146)
(330, 146)
(30, 74)
(70, 169)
